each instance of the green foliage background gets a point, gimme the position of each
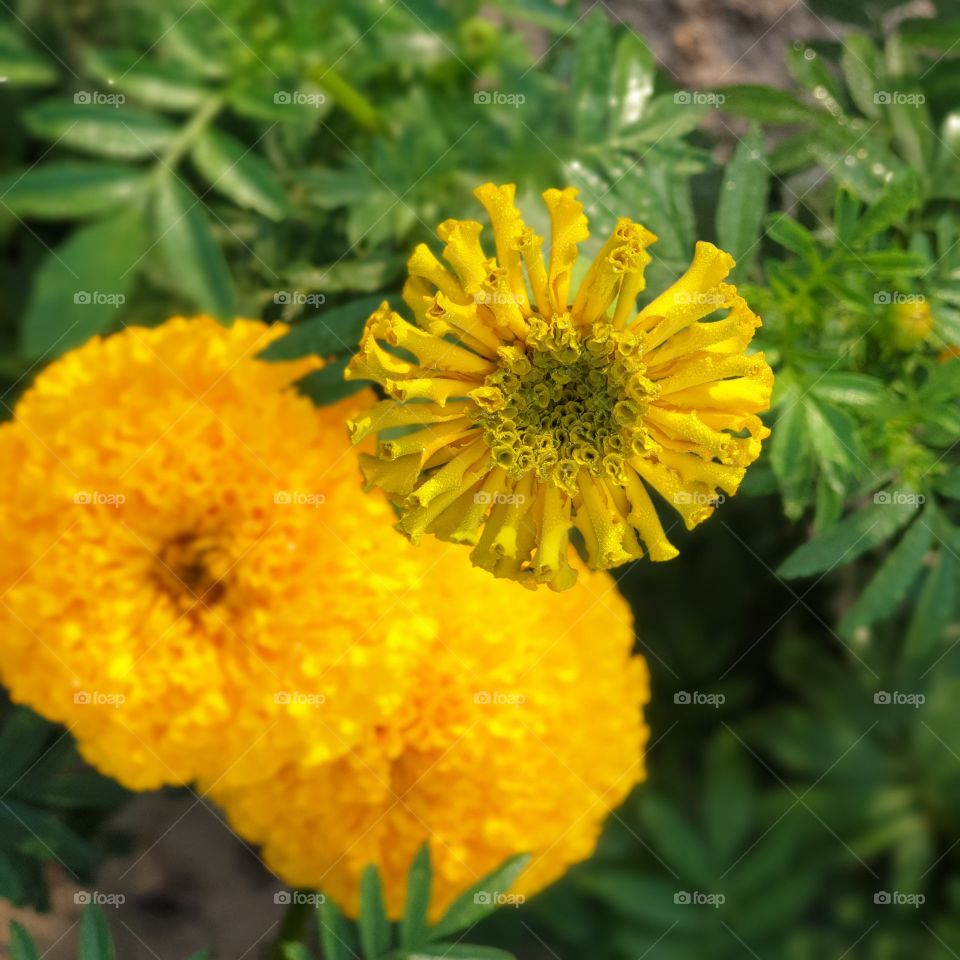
(281, 161)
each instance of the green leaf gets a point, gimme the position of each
(81, 286)
(413, 926)
(631, 84)
(849, 389)
(853, 536)
(860, 61)
(729, 800)
(935, 34)
(594, 53)
(22, 946)
(95, 942)
(791, 455)
(19, 65)
(21, 740)
(792, 235)
(294, 951)
(185, 239)
(767, 104)
(238, 173)
(480, 900)
(889, 264)
(892, 582)
(328, 385)
(151, 83)
(898, 198)
(121, 131)
(63, 191)
(373, 923)
(665, 118)
(936, 607)
(743, 201)
(334, 932)
(675, 840)
(333, 331)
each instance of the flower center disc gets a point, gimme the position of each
(571, 399)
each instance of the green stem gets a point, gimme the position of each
(293, 926)
(347, 95)
(185, 139)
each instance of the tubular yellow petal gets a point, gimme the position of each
(508, 227)
(387, 414)
(438, 389)
(424, 263)
(529, 244)
(427, 440)
(568, 228)
(397, 477)
(464, 252)
(643, 518)
(451, 476)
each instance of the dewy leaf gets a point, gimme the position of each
(238, 173)
(373, 923)
(22, 946)
(61, 191)
(481, 899)
(334, 330)
(413, 926)
(743, 201)
(185, 238)
(853, 536)
(95, 942)
(81, 286)
(631, 83)
(110, 131)
(892, 582)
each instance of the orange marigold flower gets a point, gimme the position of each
(189, 570)
(516, 410)
(521, 731)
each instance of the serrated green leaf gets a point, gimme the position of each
(480, 900)
(892, 582)
(665, 118)
(413, 926)
(936, 608)
(743, 200)
(185, 239)
(899, 197)
(80, 287)
(333, 331)
(63, 191)
(767, 104)
(22, 946)
(334, 932)
(889, 264)
(95, 941)
(373, 924)
(238, 173)
(110, 131)
(853, 536)
(791, 235)
(145, 80)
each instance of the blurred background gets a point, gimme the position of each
(279, 161)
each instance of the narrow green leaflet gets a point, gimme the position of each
(675, 840)
(849, 389)
(328, 385)
(743, 201)
(22, 946)
(853, 536)
(334, 330)
(790, 455)
(729, 799)
(119, 131)
(591, 68)
(236, 171)
(334, 932)
(21, 740)
(81, 286)
(95, 942)
(20, 66)
(413, 926)
(892, 582)
(936, 607)
(898, 198)
(862, 69)
(184, 236)
(792, 235)
(480, 899)
(62, 191)
(767, 105)
(373, 923)
(457, 951)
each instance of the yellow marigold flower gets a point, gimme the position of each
(515, 413)
(189, 568)
(912, 320)
(522, 730)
